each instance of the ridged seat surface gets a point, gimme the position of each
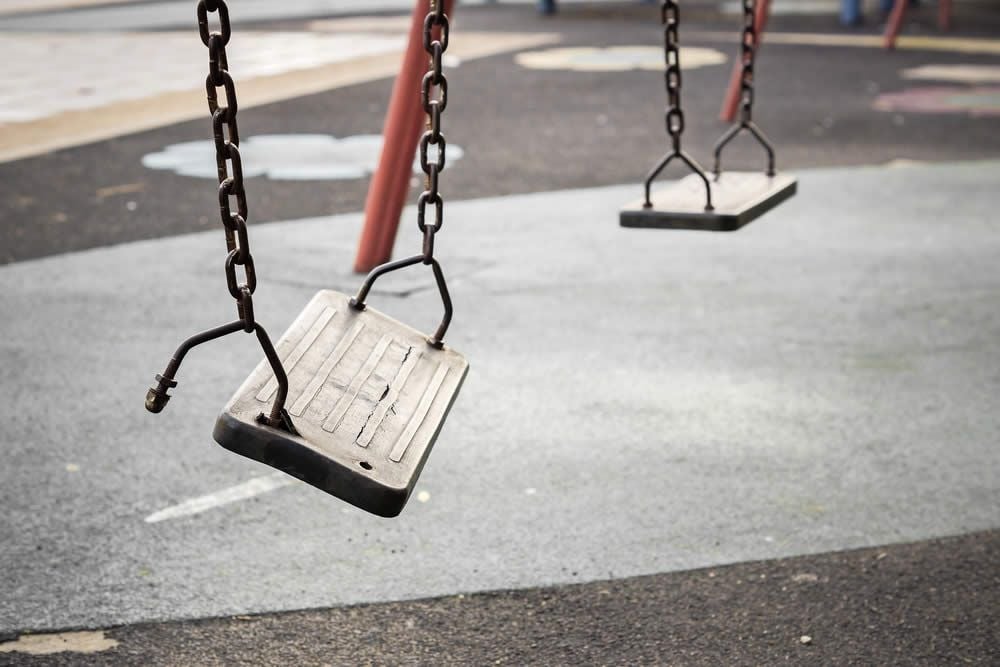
(367, 394)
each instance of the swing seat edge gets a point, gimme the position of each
(739, 198)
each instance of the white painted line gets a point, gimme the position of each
(244, 491)
(955, 73)
(615, 58)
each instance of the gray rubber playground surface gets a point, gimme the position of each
(638, 402)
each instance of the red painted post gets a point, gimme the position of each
(944, 15)
(731, 102)
(894, 24)
(404, 123)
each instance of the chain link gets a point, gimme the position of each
(670, 17)
(228, 161)
(230, 170)
(748, 52)
(434, 98)
(748, 48)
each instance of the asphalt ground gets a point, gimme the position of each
(548, 130)
(928, 603)
(933, 603)
(648, 403)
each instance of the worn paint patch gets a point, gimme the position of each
(615, 58)
(60, 642)
(956, 73)
(287, 157)
(903, 43)
(972, 100)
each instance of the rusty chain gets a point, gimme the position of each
(671, 19)
(748, 48)
(231, 188)
(227, 152)
(748, 53)
(434, 98)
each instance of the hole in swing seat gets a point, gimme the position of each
(739, 197)
(360, 384)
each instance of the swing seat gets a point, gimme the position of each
(738, 197)
(367, 394)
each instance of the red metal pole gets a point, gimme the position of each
(404, 122)
(944, 14)
(894, 24)
(732, 99)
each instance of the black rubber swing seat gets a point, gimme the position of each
(738, 198)
(367, 394)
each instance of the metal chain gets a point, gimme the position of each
(670, 17)
(230, 169)
(227, 159)
(748, 48)
(434, 97)
(748, 51)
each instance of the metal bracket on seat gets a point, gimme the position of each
(732, 133)
(358, 302)
(692, 165)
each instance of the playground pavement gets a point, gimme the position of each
(774, 446)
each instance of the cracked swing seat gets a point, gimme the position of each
(351, 400)
(367, 395)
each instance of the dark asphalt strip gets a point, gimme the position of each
(523, 131)
(930, 603)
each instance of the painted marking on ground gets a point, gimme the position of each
(246, 490)
(287, 157)
(797, 8)
(903, 43)
(955, 73)
(61, 642)
(973, 100)
(84, 123)
(615, 58)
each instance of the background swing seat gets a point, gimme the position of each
(738, 198)
(367, 394)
